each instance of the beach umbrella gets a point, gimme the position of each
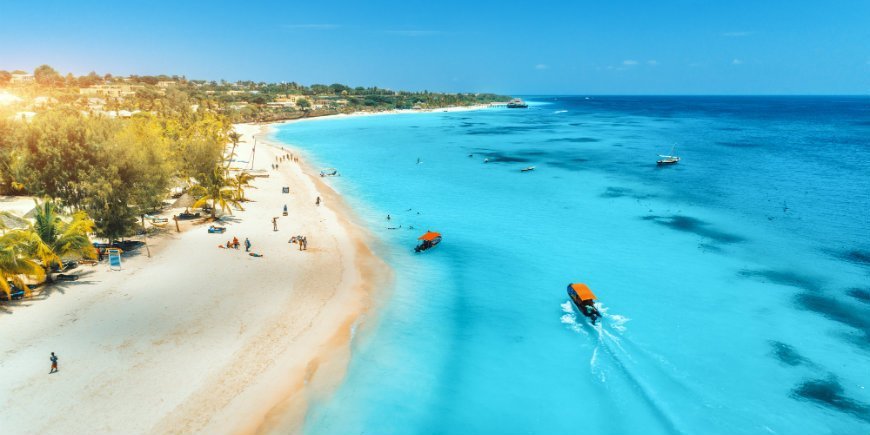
(184, 201)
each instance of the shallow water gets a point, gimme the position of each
(735, 285)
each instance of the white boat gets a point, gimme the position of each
(668, 159)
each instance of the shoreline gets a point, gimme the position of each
(327, 368)
(198, 338)
(358, 114)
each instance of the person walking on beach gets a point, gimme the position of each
(274, 224)
(247, 245)
(53, 363)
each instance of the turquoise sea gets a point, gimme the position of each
(735, 285)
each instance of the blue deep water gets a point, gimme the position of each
(735, 285)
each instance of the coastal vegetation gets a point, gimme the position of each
(105, 151)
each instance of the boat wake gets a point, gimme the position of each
(615, 359)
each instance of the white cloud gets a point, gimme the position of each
(542, 66)
(629, 62)
(736, 62)
(312, 26)
(736, 34)
(413, 32)
(652, 62)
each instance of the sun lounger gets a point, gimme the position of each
(187, 215)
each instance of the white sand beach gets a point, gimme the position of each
(198, 338)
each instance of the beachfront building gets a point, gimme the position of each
(22, 78)
(112, 91)
(96, 104)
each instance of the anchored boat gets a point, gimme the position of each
(517, 103)
(584, 299)
(428, 241)
(669, 159)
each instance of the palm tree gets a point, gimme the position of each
(16, 263)
(235, 137)
(218, 189)
(240, 181)
(54, 238)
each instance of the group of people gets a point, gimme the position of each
(234, 244)
(288, 157)
(302, 241)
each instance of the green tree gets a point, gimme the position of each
(47, 76)
(59, 238)
(217, 188)
(16, 264)
(234, 137)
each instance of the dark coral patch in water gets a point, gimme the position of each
(787, 354)
(829, 393)
(857, 256)
(860, 294)
(783, 277)
(692, 225)
(623, 192)
(836, 310)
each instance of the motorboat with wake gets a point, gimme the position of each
(584, 299)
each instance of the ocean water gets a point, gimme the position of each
(735, 285)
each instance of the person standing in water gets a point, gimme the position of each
(53, 359)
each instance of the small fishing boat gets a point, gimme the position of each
(669, 159)
(584, 299)
(517, 103)
(428, 241)
(530, 168)
(329, 172)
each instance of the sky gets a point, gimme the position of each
(509, 46)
